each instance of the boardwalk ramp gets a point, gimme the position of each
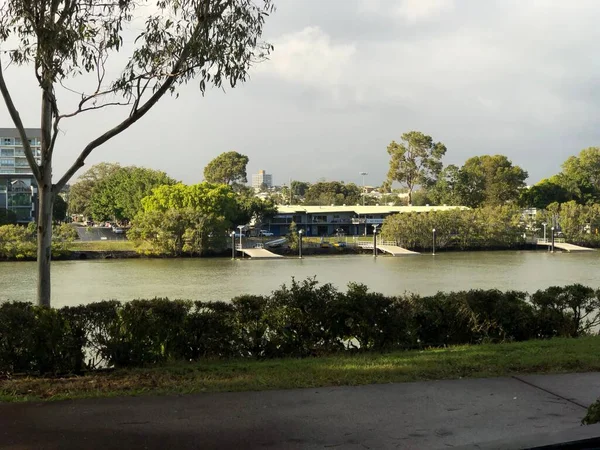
(395, 250)
(561, 244)
(388, 247)
(258, 252)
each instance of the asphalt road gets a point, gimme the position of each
(423, 415)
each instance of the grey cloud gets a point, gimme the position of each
(515, 77)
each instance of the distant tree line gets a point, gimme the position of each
(169, 217)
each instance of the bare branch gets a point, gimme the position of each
(14, 114)
(91, 108)
(138, 114)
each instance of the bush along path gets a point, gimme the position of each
(304, 319)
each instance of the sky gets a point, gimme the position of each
(513, 77)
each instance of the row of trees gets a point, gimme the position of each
(172, 218)
(487, 227)
(502, 226)
(487, 180)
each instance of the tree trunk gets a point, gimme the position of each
(409, 197)
(44, 239)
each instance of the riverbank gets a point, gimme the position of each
(123, 249)
(559, 355)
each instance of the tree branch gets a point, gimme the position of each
(16, 118)
(135, 116)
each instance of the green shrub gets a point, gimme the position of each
(17, 242)
(36, 339)
(301, 320)
(17, 341)
(593, 414)
(148, 331)
(567, 311)
(210, 331)
(501, 316)
(253, 325)
(445, 319)
(375, 321)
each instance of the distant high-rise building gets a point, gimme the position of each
(262, 179)
(12, 154)
(18, 190)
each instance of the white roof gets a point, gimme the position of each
(361, 210)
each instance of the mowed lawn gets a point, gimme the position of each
(490, 360)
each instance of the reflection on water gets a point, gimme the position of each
(76, 282)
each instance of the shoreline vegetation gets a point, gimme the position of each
(302, 335)
(124, 249)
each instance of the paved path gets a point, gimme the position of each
(424, 415)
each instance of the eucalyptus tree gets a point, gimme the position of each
(415, 161)
(70, 42)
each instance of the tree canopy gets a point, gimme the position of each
(119, 195)
(81, 192)
(332, 193)
(547, 191)
(415, 161)
(581, 175)
(227, 168)
(180, 219)
(490, 180)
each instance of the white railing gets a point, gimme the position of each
(549, 240)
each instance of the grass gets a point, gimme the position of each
(103, 246)
(549, 356)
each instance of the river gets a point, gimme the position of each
(76, 282)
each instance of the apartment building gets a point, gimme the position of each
(262, 179)
(12, 155)
(18, 190)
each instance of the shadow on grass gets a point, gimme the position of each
(490, 360)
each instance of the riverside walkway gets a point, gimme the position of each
(561, 244)
(390, 247)
(423, 415)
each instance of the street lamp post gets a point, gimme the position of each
(544, 224)
(300, 233)
(241, 227)
(433, 253)
(232, 234)
(552, 239)
(363, 192)
(374, 241)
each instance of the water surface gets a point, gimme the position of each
(76, 282)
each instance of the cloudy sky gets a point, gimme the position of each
(516, 77)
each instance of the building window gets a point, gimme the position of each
(7, 152)
(7, 141)
(7, 162)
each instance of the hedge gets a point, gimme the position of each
(304, 319)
